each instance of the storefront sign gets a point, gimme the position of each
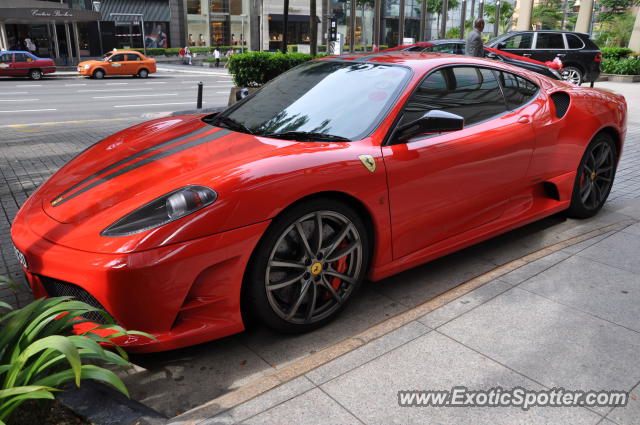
(49, 13)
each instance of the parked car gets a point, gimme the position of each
(579, 54)
(120, 62)
(341, 168)
(15, 63)
(457, 47)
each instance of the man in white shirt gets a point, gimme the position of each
(216, 55)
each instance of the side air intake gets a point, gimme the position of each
(562, 101)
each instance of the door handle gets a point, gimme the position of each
(562, 55)
(524, 119)
(526, 55)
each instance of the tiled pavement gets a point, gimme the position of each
(29, 155)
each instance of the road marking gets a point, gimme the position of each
(116, 84)
(222, 92)
(135, 95)
(29, 110)
(18, 100)
(28, 85)
(79, 84)
(62, 122)
(155, 104)
(13, 92)
(158, 82)
(110, 90)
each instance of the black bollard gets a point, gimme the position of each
(199, 106)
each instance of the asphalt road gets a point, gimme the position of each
(62, 99)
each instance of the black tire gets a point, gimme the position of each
(573, 75)
(98, 74)
(308, 296)
(594, 177)
(143, 73)
(35, 74)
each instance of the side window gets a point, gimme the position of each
(117, 58)
(519, 41)
(574, 41)
(415, 49)
(550, 40)
(20, 57)
(517, 90)
(6, 57)
(133, 57)
(470, 92)
(444, 48)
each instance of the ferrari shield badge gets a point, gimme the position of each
(368, 162)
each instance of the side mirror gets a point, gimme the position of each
(501, 45)
(434, 121)
(241, 94)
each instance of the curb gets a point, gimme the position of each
(301, 367)
(102, 405)
(190, 71)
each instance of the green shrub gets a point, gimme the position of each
(39, 352)
(253, 69)
(615, 52)
(624, 66)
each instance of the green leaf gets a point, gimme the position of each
(87, 372)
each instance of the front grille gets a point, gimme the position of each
(59, 288)
(561, 100)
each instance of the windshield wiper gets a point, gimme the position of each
(232, 124)
(307, 136)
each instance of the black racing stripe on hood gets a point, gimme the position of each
(134, 156)
(153, 158)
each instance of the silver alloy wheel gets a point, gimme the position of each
(572, 75)
(98, 74)
(313, 267)
(35, 74)
(597, 176)
(143, 73)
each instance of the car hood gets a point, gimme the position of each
(90, 62)
(142, 163)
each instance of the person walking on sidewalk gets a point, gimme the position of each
(216, 55)
(474, 42)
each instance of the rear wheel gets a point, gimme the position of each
(143, 73)
(307, 266)
(98, 74)
(572, 75)
(35, 74)
(594, 177)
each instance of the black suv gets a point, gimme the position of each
(579, 55)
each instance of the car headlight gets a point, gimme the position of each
(556, 73)
(86, 67)
(167, 208)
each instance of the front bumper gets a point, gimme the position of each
(183, 294)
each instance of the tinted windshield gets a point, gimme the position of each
(341, 99)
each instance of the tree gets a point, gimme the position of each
(435, 6)
(616, 31)
(506, 13)
(615, 7)
(547, 14)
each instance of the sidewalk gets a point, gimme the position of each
(570, 319)
(191, 69)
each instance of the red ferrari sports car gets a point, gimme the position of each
(342, 168)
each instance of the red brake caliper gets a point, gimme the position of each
(340, 266)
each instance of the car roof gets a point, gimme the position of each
(124, 51)
(16, 51)
(420, 61)
(563, 31)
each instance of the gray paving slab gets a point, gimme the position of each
(367, 352)
(575, 248)
(620, 250)
(422, 283)
(635, 229)
(629, 414)
(550, 343)
(366, 310)
(435, 362)
(607, 292)
(525, 272)
(261, 403)
(463, 304)
(311, 408)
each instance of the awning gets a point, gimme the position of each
(292, 18)
(28, 15)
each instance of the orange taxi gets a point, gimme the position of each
(120, 62)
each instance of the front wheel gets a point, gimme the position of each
(98, 74)
(307, 266)
(143, 73)
(594, 177)
(35, 74)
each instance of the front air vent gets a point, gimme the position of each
(562, 101)
(59, 288)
